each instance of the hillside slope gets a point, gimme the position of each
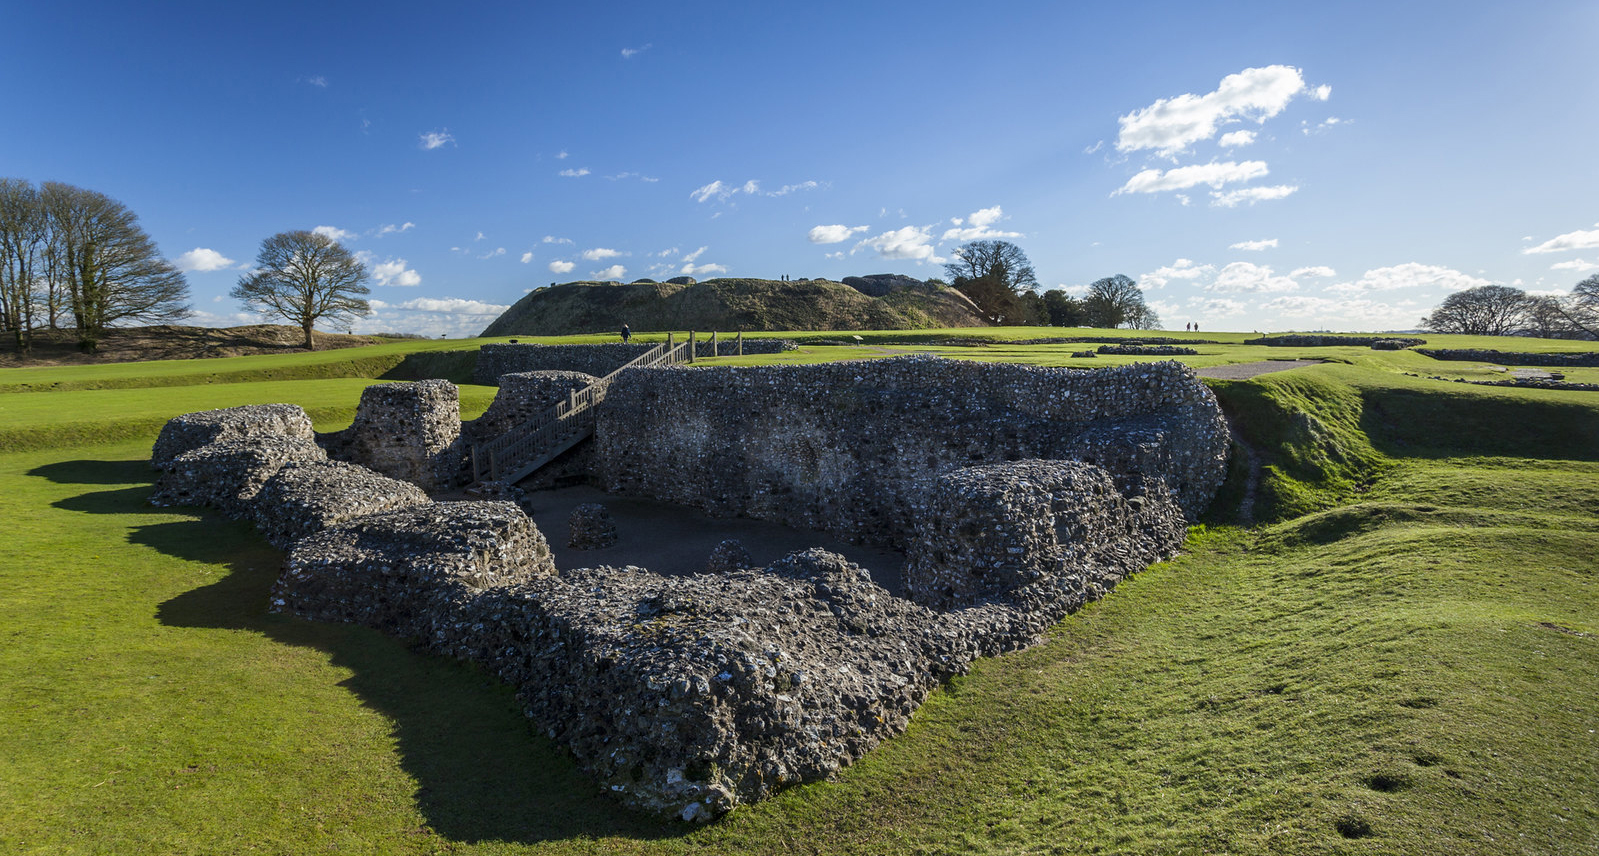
(730, 304)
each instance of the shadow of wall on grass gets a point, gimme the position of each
(483, 773)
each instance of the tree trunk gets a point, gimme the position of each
(309, 344)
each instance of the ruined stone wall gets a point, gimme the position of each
(848, 447)
(598, 360)
(1515, 358)
(411, 431)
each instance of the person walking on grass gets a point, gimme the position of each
(626, 334)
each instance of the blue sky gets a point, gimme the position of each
(1254, 166)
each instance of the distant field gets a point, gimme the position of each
(1402, 657)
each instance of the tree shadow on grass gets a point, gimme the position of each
(484, 773)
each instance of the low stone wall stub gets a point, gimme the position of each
(303, 498)
(192, 430)
(408, 430)
(228, 474)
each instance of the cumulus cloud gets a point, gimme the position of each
(1318, 270)
(612, 272)
(1254, 246)
(833, 234)
(202, 260)
(1322, 92)
(1247, 278)
(1408, 275)
(1578, 240)
(600, 253)
(692, 269)
(574, 173)
(978, 227)
(527, 257)
(912, 243)
(334, 233)
(1179, 178)
(1251, 195)
(551, 239)
(1234, 139)
(1324, 312)
(394, 272)
(562, 155)
(561, 267)
(435, 139)
(431, 316)
(1171, 124)
(1578, 265)
(1180, 269)
(390, 228)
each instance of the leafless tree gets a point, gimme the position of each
(1117, 301)
(23, 234)
(1487, 310)
(1581, 308)
(304, 277)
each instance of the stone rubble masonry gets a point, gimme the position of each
(410, 431)
(1018, 493)
(599, 360)
(591, 527)
(1515, 358)
(404, 571)
(728, 556)
(227, 474)
(1311, 340)
(307, 497)
(191, 431)
(523, 398)
(986, 532)
(848, 447)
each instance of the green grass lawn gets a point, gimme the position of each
(1406, 661)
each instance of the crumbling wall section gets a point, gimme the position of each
(849, 447)
(599, 360)
(410, 431)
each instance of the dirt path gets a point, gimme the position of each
(1245, 371)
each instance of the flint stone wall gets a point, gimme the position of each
(192, 430)
(1307, 340)
(598, 360)
(227, 474)
(849, 447)
(1514, 358)
(306, 497)
(410, 431)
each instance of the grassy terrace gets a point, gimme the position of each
(1403, 657)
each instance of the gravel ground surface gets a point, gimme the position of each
(1245, 371)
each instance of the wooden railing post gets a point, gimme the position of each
(741, 343)
(691, 346)
(714, 351)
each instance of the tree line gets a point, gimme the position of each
(70, 256)
(1501, 310)
(999, 279)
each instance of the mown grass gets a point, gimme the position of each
(1407, 662)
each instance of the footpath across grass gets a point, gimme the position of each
(1406, 661)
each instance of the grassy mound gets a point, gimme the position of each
(729, 304)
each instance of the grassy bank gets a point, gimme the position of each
(1405, 661)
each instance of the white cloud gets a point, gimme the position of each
(435, 139)
(561, 267)
(1253, 246)
(978, 226)
(612, 272)
(629, 53)
(1170, 124)
(202, 260)
(1246, 278)
(1179, 178)
(1088, 150)
(497, 251)
(390, 228)
(1233, 198)
(430, 316)
(1408, 275)
(715, 188)
(1214, 307)
(833, 234)
(551, 239)
(696, 270)
(1578, 265)
(1322, 92)
(1319, 270)
(1180, 269)
(562, 155)
(837, 255)
(1578, 240)
(574, 173)
(721, 191)
(1234, 139)
(696, 254)
(317, 81)
(395, 273)
(1323, 312)
(480, 236)
(791, 188)
(334, 233)
(912, 243)
(527, 257)
(670, 251)
(599, 253)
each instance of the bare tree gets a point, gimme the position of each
(1581, 309)
(304, 277)
(23, 232)
(996, 275)
(1487, 310)
(1117, 301)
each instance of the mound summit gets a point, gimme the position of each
(880, 302)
